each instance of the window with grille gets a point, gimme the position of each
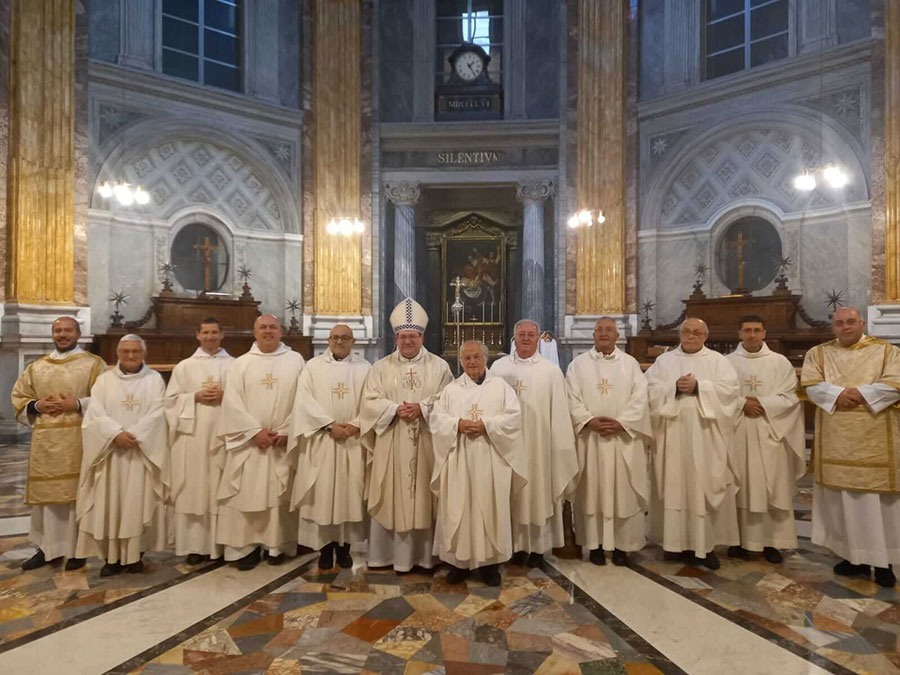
(201, 41)
(743, 34)
(479, 22)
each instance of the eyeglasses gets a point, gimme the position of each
(340, 338)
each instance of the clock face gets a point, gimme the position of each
(468, 66)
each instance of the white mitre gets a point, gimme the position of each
(409, 315)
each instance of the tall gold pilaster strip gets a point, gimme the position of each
(600, 180)
(336, 101)
(892, 150)
(41, 179)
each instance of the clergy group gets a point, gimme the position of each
(247, 459)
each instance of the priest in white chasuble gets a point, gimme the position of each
(608, 404)
(854, 382)
(255, 489)
(768, 451)
(694, 396)
(51, 396)
(397, 399)
(480, 465)
(125, 465)
(329, 487)
(551, 462)
(193, 412)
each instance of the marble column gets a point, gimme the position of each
(404, 197)
(892, 150)
(262, 59)
(533, 196)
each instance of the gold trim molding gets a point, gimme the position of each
(892, 150)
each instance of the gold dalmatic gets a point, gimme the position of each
(855, 449)
(54, 458)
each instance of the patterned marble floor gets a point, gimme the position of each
(801, 604)
(380, 622)
(47, 599)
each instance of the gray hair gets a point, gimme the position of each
(606, 318)
(484, 348)
(531, 321)
(131, 337)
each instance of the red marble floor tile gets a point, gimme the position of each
(269, 624)
(370, 630)
(891, 615)
(454, 647)
(642, 669)
(92, 599)
(526, 642)
(240, 664)
(465, 668)
(591, 631)
(691, 571)
(777, 628)
(501, 618)
(825, 623)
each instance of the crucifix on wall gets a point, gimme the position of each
(738, 246)
(206, 249)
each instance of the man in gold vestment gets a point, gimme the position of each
(854, 381)
(51, 395)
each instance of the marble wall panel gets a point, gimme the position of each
(82, 150)
(653, 63)
(853, 19)
(395, 27)
(674, 276)
(289, 53)
(542, 59)
(4, 136)
(103, 17)
(131, 269)
(825, 266)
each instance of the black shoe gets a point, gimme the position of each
(519, 558)
(196, 559)
(249, 561)
(326, 557)
(738, 552)
(35, 561)
(619, 558)
(845, 568)
(710, 562)
(677, 556)
(344, 559)
(535, 559)
(110, 570)
(456, 575)
(490, 574)
(773, 555)
(597, 556)
(73, 564)
(134, 568)
(884, 576)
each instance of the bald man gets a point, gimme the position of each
(854, 382)
(694, 397)
(254, 495)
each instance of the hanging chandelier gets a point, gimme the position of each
(833, 175)
(586, 218)
(125, 193)
(345, 226)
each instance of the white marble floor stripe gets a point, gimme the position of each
(104, 642)
(14, 525)
(695, 639)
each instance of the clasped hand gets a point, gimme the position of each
(126, 440)
(209, 396)
(849, 398)
(409, 411)
(753, 408)
(341, 432)
(686, 384)
(57, 405)
(605, 426)
(471, 429)
(266, 438)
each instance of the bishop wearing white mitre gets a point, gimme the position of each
(479, 468)
(608, 403)
(768, 454)
(193, 411)
(551, 464)
(255, 490)
(694, 396)
(124, 467)
(397, 399)
(329, 487)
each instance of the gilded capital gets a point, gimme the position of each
(405, 194)
(535, 192)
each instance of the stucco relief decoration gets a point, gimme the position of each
(757, 163)
(844, 105)
(182, 172)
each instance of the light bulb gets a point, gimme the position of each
(358, 226)
(344, 226)
(105, 190)
(835, 176)
(123, 194)
(584, 218)
(141, 196)
(573, 223)
(331, 228)
(600, 217)
(805, 182)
